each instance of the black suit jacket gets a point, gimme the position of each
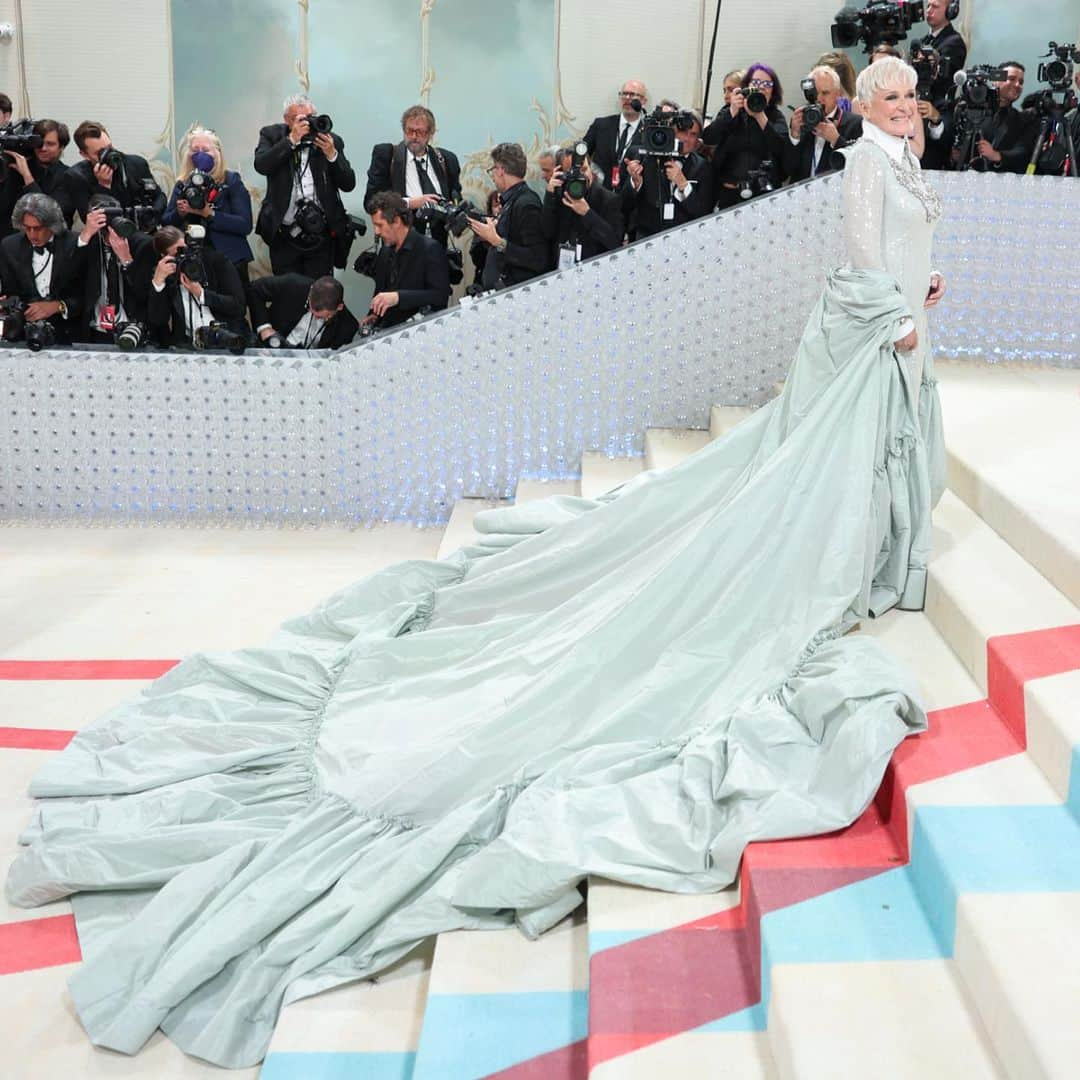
(951, 48)
(800, 159)
(82, 185)
(1013, 134)
(52, 181)
(600, 230)
(274, 160)
(656, 191)
(282, 301)
(419, 273)
(223, 294)
(741, 144)
(602, 138)
(130, 281)
(521, 225)
(387, 173)
(68, 268)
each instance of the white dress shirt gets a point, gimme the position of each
(42, 266)
(412, 177)
(303, 184)
(306, 333)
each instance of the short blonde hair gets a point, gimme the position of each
(889, 71)
(197, 131)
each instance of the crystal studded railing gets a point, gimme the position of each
(516, 385)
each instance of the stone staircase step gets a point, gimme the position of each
(529, 490)
(723, 418)
(665, 447)
(600, 473)
(459, 529)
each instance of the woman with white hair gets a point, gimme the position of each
(208, 194)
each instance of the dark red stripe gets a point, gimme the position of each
(15, 738)
(84, 669)
(567, 1063)
(38, 943)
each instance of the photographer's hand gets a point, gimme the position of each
(164, 270)
(675, 174)
(988, 152)
(828, 131)
(556, 180)
(192, 287)
(103, 175)
(40, 310)
(298, 129)
(22, 166)
(635, 170)
(382, 302)
(416, 202)
(325, 143)
(796, 122)
(95, 222)
(185, 208)
(738, 103)
(928, 112)
(121, 248)
(486, 230)
(579, 206)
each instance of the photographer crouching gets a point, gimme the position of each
(291, 311)
(303, 220)
(411, 271)
(41, 271)
(670, 180)
(208, 194)
(194, 296)
(581, 218)
(820, 129)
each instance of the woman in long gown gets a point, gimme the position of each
(633, 687)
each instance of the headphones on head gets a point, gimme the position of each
(952, 10)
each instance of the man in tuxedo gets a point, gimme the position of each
(1008, 141)
(947, 43)
(609, 137)
(127, 179)
(43, 264)
(673, 192)
(518, 248)
(411, 271)
(578, 229)
(303, 219)
(415, 169)
(112, 293)
(292, 311)
(43, 173)
(178, 304)
(816, 152)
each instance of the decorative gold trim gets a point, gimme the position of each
(303, 69)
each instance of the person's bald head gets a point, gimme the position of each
(633, 90)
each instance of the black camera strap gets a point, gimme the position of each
(41, 270)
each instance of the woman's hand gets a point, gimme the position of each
(907, 343)
(937, 290)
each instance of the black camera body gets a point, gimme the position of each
(881, 22)
(754, 99)
(17, 137)
(930, 66)
(218, 336)
(813, 113)
(575, 183)
(758, 181)
(658, 132)
(316, 125)
(309, 219)
(1059, 72)
(455, 215)
(197, 190)
(116, 218)
(364, 263)
(112, 158)
(37, 335)
(189, 260)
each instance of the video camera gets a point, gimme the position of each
(455, 215)
(658, 132)
(1059, 72)
(881, 22)
(316, 125)
(977, 101)
(17, 137)
(14, 326)
(930, 66)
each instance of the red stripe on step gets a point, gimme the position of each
(84, 669)
(38, 943)
(14, 738)
(1013, 659)
(567, 1063)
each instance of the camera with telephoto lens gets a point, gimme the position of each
(879, 23)
(197, 190)
(129, 336)
(658, 132)
(12, 317)
(112, 158)
(813, 113)
(316, 125)
(218, 336)
(574, 182)
(116, 218)
(456, 215)
(39, 335)
(146, 216)
(930, 66)
(17, 137)
(758, 181)
(1059, 72)
(189, 259)
(754, 99)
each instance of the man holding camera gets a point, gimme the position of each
(1006, 143)
(42, 265)
(293, 312)
(672, 191)
(43, 172)
(104, 170)
(411, 270)
(609, 137)
(518, 248)
(815, 151)
(112, 297)
(303, 219)
(192, 286)
(417, 170)
(946, 41)
(581, 218)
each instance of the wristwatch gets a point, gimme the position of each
(63, 309)
(501, 245)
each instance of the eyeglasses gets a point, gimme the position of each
(761, 84)
(490, 170)
(416, 133)
(631, 94)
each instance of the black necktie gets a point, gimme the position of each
(620, 146)
(41, 250)
(112, 280)
(426, 186)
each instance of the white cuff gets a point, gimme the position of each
(935, 131)
(157, 287)
(685, 193)
(82, 242)
(905, 328)
(265, 326)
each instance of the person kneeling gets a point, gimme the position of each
(192, 287)
(411, 271)
(295, 312)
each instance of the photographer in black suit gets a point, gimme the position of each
(43, 265)
(946, 41)
(105, 171)
(411, 271)
(580, 227)
(292, 311)
(44, 173)
(670, 192)
(183, 299)
(303, 219)
(609, 137)
(518, 248)
(1007, 141)
(415, 169)
(813, 153)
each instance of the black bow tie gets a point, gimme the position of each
(43, 249)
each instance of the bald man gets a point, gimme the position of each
(609, 137)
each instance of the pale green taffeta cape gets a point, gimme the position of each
(634, 687)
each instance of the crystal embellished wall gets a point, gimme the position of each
(516, 385)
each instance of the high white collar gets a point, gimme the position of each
(893, 145)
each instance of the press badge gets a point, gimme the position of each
(569, 256)
(669, 211)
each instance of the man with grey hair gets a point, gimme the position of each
(818, 151)
(43, 265)
(548, 159)
(609, 137)
(303, 219)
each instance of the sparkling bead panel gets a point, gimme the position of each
(517, 385)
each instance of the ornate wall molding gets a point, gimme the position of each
(303, 71)
(427, 72)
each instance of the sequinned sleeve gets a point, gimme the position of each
(864, 209)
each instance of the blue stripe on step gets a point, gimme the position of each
(329, 1066)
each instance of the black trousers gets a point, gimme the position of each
(287, 258)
